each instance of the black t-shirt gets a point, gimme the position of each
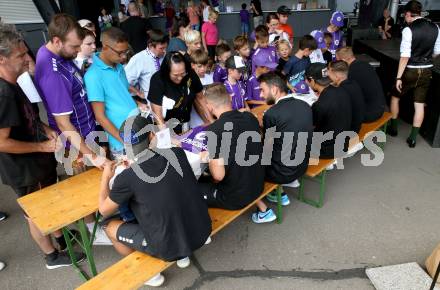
(241, 184)
(257, 5)
(332, 112)
(289, 115)
(327, 56)
(18, 114)
(136, 27)
(366, 77)
(183, 94)
(357, 103)
(171, 211)
(281, 64)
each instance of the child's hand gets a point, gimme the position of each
(204, 156)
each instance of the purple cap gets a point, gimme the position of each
(264, 58)
(301, 88)
(337, 19)
(319, 37)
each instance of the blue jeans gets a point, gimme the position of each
(244, 28)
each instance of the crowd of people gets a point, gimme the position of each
(142, 77)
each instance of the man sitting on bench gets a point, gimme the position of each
(292, 118)
(236, 180)
(366, 77)
(331, 112)
(172, 219)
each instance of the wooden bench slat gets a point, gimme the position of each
(366, 129)
(132, 271)
(81, 189)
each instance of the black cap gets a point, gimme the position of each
(134, 125)
(319, 73)
(235, 62)
(283, 10)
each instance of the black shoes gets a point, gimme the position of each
(392, 131)
(411, 143)
(62, 259)
(3, 216)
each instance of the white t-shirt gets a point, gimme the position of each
(140, 69)
(195, 119)
(206, 14)
(316, 56)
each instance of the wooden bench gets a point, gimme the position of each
(65, 203)
(317, 170)
(133, 270)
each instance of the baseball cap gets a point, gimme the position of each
(137, 142)
(319, 73)
(301, 88)
(85, 23)
(263, 59)
(235, 62)
(283, 10)
(319, 37)
(337, 19)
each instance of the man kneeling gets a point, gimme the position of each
(172, 218)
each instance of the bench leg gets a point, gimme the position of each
(87, 244)
(320, 202)
(279, 192)
(384, 129)
(70, 251)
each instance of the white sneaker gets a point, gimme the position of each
(331, 166)
(183, 263)
(156, 281)
(208, 241)
(294, 184)
(2, 266)
(101, 238)
(359, 146)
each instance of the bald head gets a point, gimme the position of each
(346, 54)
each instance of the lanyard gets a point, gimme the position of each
(155, 58)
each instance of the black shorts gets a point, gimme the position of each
(25, 190)
(209, 191)
(415, 81)
(131, 235)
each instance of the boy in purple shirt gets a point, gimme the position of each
(62, 88)
(235, 88)
(244, 19)
(334, 28)
(223, 52)
(262, 66)
(263, 50)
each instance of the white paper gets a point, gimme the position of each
(27, 85)
(164, 139)
(167, 104)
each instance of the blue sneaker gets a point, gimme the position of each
(268, 216)
(272, 197)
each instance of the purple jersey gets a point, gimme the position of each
(244, 16)
(62, 89)
(269, 53)
(253, 89)
(336, 41)
(195, 141)
(220, 74)
(237, 93)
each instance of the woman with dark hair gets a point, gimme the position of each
(180, 27)
(275, 34)
(173, 91)
(105, 20)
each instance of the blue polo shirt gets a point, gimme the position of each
(109, 85)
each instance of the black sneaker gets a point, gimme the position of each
(63, 260)
(3, 216)
(391, 131)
